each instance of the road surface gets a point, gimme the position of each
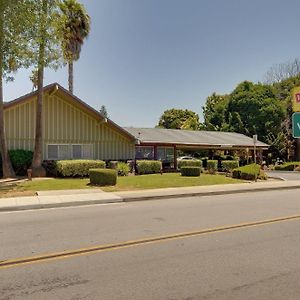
(242, 246)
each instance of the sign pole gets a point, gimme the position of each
(254, 143)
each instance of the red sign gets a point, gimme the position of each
(297, 97)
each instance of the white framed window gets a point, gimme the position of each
(58, 151)
(84, 151)
(69, 151)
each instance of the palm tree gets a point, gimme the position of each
(74, 29)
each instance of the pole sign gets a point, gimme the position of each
(296, 99)
(296, 124)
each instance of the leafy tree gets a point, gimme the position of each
(253, 109)
(14, 20)
(214, 110)
(179, 119)
(103, 111)
(45, 53)
(75, 27)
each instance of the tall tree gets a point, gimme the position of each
(75, 28)
(14, 19)
(45, 54)
(253, 109)
(179, 119)
(214, 111)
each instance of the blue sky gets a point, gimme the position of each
(145, 56)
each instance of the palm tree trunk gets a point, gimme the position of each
(37, 168)
(71, 76)
(7, 169)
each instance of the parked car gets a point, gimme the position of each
(185, 158)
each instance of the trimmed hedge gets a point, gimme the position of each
(189, 163)
(103, 177)
(248, 172)
(212, 166)
(229, 165)
(190, 171)
(20, 159)
(148, 166)
(73, 168)
(123, 169)
(288, 166)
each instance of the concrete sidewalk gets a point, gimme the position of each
(65, 198)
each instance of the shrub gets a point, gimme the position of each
(212, 166)
(229, 165)
(248, 172)
(50, 167)
(190, 171)
(288, 166)
(103, 177)
(189, 163)
(73, 168)
(20, 160)
(113, 164)
(148, 166)
(123, 169)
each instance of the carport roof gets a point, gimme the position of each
(193, 138)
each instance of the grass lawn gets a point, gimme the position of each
(153, 181)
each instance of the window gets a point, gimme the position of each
(82, 151)
(66, 151)
(165, 154)
(143, 152)
(58, 151)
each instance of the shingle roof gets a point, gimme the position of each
(193, 138)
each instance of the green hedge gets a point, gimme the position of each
(189, 163)
(20, 159)
(212, 166)
(190, 171)
(148, 166)
(123, 169)
(288, 166)
(229, 165)
(248, 172)
(103, 177)
(74, 168)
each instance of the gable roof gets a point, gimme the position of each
(193, 138)
(84, 106)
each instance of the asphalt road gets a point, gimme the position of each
(252, 262)
(286, 175)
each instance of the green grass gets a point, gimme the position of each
(127, 183)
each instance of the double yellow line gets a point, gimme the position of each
(126, 244)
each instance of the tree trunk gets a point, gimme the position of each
(37, 168)
(7, 169)
(70, 72)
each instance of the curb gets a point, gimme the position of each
(58, 205)
(214, 193)
(123, 198)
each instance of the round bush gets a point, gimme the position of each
(103, 177)
(190, 171)
(189, 163)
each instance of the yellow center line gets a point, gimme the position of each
(126, 244)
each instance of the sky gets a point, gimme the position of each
(143, 57)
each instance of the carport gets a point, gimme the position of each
(162, 144)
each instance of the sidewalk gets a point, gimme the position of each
(66, 198)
